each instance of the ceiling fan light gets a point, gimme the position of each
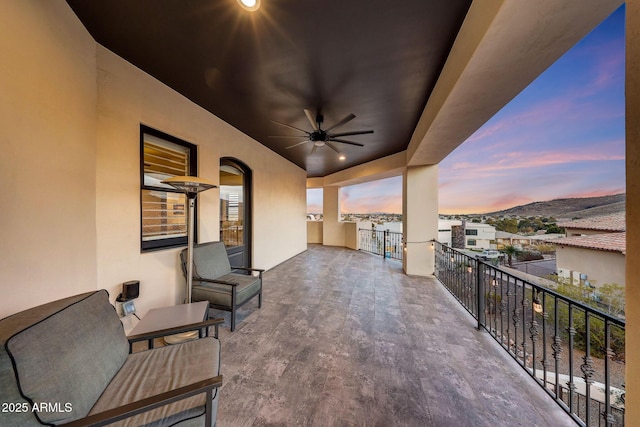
(250, 5)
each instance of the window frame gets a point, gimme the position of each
(472, 242)
(192, 167)
(471, 232)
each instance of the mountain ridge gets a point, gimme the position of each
(569, 208)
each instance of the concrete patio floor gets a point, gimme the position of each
(344, 338)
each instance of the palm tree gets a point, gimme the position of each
(510, 250)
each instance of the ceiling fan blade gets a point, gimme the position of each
(342, 122)
(290, 127)
(286, 136)
(344, 141)
(356, 132)
(333, 147)
(312, 119)
(299, 143)
(313, 150)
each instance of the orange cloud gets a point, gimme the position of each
(530, 159)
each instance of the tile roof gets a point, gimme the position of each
(506, 235)
(613, 222)
(612, 242)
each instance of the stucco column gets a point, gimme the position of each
(420, 218)
(332, 228)
(632, 285)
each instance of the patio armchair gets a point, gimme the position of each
(215, 281)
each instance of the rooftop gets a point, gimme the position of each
(507, 235)
(613, 222)
(612, 242)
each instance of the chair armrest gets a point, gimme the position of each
(221, 282)
(144, 405)
(170, 331)
(260, 270)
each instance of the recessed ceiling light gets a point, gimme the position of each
(342, 157)
(250, 5)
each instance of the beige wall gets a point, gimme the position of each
(385, 167)
(332, 227)
(601, 267)
(632, 344)
(71, 117)
(314, 232)
(420, 218)
(47, 166)
(351, 240)
(128, 97)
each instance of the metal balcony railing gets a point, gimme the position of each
(385, 243)
(575, 352)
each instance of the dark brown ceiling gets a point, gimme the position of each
(377, 59)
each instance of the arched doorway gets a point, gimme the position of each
(235, 211)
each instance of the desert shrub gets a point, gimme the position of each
(546, 249)
(493, 300)
(529, 255)
(596, 324)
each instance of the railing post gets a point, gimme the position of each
(384, 243)
(479, 295)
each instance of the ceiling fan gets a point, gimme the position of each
(321, 137)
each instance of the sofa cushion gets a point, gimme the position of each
(69, 357)
(22, 416)
(151, 372)
(220, 294)
(19, 413)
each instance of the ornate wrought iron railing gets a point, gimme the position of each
(575, 352)
(386, 243)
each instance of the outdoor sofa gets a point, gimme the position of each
(68, 362)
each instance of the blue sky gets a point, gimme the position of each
(563, 136)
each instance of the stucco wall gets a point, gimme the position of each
(128, 97)
(314, 232)
(351, 235)
(70, 113)
(332, 227)
(47, 166)
(420, 218)
(601, 267)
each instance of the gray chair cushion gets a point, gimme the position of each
(151, 372)
(220, 294)
(210, 260)
(49, 367)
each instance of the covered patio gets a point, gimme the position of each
(343, 337)
(346, 338)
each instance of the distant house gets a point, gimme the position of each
(593, 253)
(474, 235)
(519, 241)
(595, 225)
(504, 238)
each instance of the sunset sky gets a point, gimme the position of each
(563, 136)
